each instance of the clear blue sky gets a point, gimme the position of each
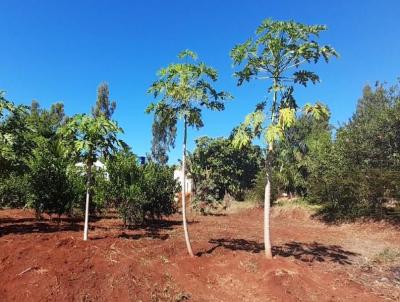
(61, 50)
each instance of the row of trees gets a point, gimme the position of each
(48, 162)
(277, 53)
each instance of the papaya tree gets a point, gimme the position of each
(86, 139)
(181, 92)
(277, 54)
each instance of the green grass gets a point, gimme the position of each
(297, 203)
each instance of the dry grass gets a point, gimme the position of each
(387, 256)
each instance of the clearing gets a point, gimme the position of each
(47, 261)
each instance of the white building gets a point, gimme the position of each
(188, 183)
(97, 165)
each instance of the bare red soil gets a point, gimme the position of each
(47, 261)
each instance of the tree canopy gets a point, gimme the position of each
(181, 91)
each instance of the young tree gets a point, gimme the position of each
(86, 139)
(276, 54)
(182, 90)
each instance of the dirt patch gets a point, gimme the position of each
(48, 261)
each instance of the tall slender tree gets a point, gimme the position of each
(104, 107)
(181, 91)
(164, 133)
(276, 54)
(86, 138)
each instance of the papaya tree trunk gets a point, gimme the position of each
(185, 227)
(267, 206)
(267, 196)
(86, 225)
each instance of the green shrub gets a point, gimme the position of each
(139, 191)
(14, 190)
(50, 186)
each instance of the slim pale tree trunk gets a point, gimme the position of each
(267, 196)
(267, 208)
(86, 226)
(185, 227)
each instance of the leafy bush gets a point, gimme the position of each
(217, 168)
(50, 186)
(14, 190)
(360, 171)
(159, 188)
(139, 192)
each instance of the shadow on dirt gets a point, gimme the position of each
(215, 214)
(31, 225)
(17, 220)
(157, 225)
(38, 227)
(306, 252)
(310, 252)
(151, 235)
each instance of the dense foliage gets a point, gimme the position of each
(358, 174)
(354, 172)
(139, 191)
(44, 156)
(218, 168)
(294, 156)
(50, 187)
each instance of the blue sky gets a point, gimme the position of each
(61, 50)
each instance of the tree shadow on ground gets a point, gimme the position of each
(306, 252)
(33, 226)
(152, 235)
(155, 225)
(37, 227)
(215, 214)
(17, 220)
(50, 219)
(310, 252)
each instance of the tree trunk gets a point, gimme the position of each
(267, 196)
(185, 227)
(267, 205)
(86, 226)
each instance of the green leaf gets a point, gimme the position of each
(317, 111)
(273, 133)
(287, 117)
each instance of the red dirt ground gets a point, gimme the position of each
(44, 261)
